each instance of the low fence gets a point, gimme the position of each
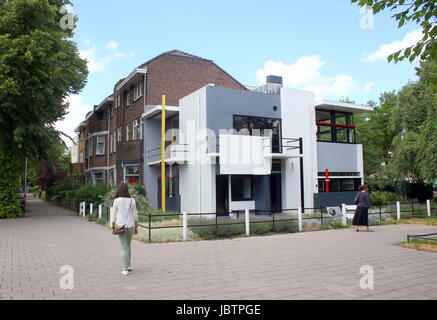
(195, 226)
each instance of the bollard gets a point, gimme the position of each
(91, 209)
(398, 210)
(300, 214)
(247, 222)
(80, 209)
(100, 211)
(344, 217)
(185, 226)
(84, 209)
(428, 207)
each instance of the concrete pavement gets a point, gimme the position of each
(312, 265)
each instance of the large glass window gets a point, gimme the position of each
(260, 126)
(335, 126)
(241, 188)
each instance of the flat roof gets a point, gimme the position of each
(342, 106)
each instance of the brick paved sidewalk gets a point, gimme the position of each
(313, 265)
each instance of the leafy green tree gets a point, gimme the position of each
(422, 12)
(376, 131)
(39, 67)
(415, 149)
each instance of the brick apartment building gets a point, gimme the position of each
(111, 139)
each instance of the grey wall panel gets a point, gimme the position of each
(334, 199)
(223, 103)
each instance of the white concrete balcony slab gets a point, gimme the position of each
(174, 154)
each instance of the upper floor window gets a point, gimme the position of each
(129, 97)
(100, 146)
(119, 135)
(118, 103)
(90, 147)
(138, 129)
(128, 132)
(138, 90)
(335, 126)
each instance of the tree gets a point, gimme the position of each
(39, 67)
(400, 136)
(49, 174)
(376, 131)
(422, 12)
(415, 150)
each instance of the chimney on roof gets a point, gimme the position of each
(274, 84)
(274, 80)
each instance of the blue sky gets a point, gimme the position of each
(315, 45)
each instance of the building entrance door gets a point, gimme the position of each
(276, 187)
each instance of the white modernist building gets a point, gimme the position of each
(268, 149)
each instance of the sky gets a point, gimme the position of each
(332, 48)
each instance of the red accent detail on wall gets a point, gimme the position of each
(335, 125)
(132, 181)
(327, 181)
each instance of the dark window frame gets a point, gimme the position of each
(237, 199)
(349, 127)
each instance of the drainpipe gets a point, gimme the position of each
(327, 181)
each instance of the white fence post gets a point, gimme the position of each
(80, 209)
(344, 217)
(300, 215)
(398, 210)
(84, 209)
(91, 209)
(185, 226)
(100, 211)
(247, 222)
(428, 207)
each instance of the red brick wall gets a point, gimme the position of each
(177, 77)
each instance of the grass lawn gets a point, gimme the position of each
(418, 244)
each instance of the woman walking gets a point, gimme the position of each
(362, 200)
(124, 223)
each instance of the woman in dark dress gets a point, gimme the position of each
(362, 201)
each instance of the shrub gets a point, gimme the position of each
(136, 191)
(380, 198)
(90, 194)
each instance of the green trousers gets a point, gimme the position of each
(125, 242)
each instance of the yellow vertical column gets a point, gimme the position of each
(163, 177)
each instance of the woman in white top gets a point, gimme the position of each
(125, 214)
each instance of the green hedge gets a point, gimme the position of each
(381, 198)
(229, 229)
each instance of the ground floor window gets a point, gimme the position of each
(340, 185)
(96, 177)
(132, 174)
(241, 188)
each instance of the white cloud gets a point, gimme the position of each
(385, 50)
(76, 114)
(305, 74)
(112, 45)
(98, 62)
(368, 86)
